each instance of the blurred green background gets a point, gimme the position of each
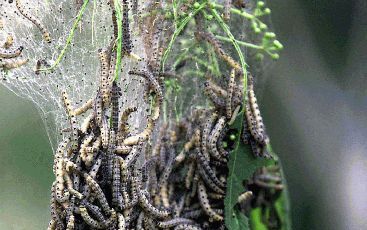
(314, 103)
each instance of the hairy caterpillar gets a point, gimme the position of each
(98, 108)
(204, 202)
(34, 20)
(116, 184)
(55, 209)
(93, 223)
(217, 101)
(83, 147)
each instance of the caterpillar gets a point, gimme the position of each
(54, 209)
(244, 198)
(34, 20)
(12, 64)
(71, 223)
(217, 101)
(174, 222)
(95, 224)
(209, 37)
(209, 181)
(69, 185)
(213, 139)
(84, 108)
(139, 222)
(187, 227)
(98, 108)
(52, 222)
(104, 133)
(156, 88)
(115, 94)
(123, 125)
(143, 136)
(205, 134)
(11, 53)
(39, 64)
(231, 84)
(95, 210)
(9, 41)
(261, 136)
(121, 222)
(149, 208)
(116, 184)
(99, 193)
(104, 85)
(92, 151)
(86, 123)
(114, 19)
(226, 11)
(252, 124)
(122, 149)
(204, 202)
(72, 119)
(134, 194)
(205, 169)
(190, 175)
(83, 147)
(126, 39)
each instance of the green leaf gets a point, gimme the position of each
(242, 164)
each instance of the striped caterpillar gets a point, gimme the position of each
(34, 20)
(205, 134)
(72, 119)
(115, 94)
(174, 222)
(123, 125)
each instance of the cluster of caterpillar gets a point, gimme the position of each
(107, 177)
